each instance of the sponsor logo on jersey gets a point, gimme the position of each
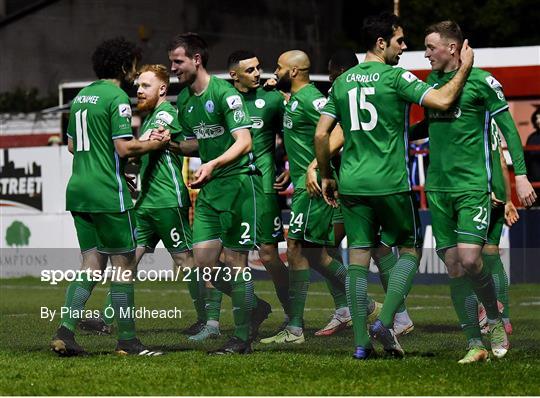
(452, 113)
(203, 132)
(257, 122)
(124, 110)
(319, 104)
(209, 106)
(260, 103)
(409, 76)
(355, 77)
(287, 122)
(294, 105)
(238, 115)
(190, 109)
(234, 102)
(164, 116)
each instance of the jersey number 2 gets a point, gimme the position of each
(83, 142)
(364, 105)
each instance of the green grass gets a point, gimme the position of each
(321, 366)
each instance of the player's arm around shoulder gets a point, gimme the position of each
(442, 98)
(126, 147)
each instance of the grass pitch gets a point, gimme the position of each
(321, 366)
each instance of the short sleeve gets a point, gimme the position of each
(330, 108)
(314, 107)
(409, 87)
(120, 117)
(235, 111)
(492, 92)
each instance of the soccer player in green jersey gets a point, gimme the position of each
(371, 102)
(502, 211)
(382, 255)
(225, 214)
(310, 228)
(459, 184)
(162, 207)
(265, 108)
(100, 138)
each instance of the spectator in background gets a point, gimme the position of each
(532, 158)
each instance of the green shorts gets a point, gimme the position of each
(110, 233)
(395, 216)
(337, 217)
(458, 217)
(226, 210)
(496, 224)
(171, 225)
(269, 226)
(311, 219)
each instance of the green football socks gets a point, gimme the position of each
(356, 285)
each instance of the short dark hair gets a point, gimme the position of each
(239, 55)
(114, 57)
(533, 117)
(447, 30)
(383, 25)
(192, 44)
(344, 58)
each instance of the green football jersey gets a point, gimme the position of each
(497, 182)
(301, 116)
(371, 102)
(459, 138)
(162, 184)
(212, 117)
(266, 111)
(99, 114)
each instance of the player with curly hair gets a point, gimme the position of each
(101, 140)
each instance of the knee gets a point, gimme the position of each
(267, 254)
(294, 251)
(490, 250)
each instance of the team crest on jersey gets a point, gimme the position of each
(165, 117)
(202, 131)
(260, 103)
(409, 76)
(234, 102)
(209, 106)
(294, 105)
(287, 122)
(319, 104)
(124, 110)
(238, 115)
(257, 123)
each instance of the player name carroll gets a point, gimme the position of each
(109, 312)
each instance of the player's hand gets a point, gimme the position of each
(159, 134)
(525, 191)
(270, 84)
(312, 185)
(495, 202)
(202, 175)
(511, 215)
(130, 180)
(466, 55)
(329, 191)
(282, 181)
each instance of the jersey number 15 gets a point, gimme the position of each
(362, 104)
